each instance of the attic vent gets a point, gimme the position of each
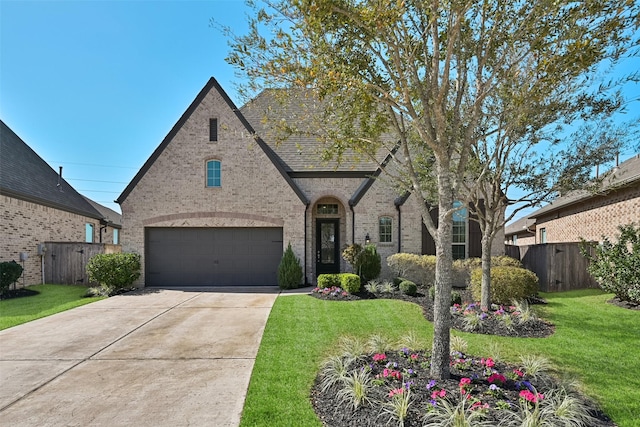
(213, 129)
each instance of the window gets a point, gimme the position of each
(88, 233)
(515, 239)
(115, 236)
(543, 235)
(460, 232)
(213, 130)
(213, 173)
(384, 228)
(327, 209)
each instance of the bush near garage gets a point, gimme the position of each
(113, 272)
(289, 270)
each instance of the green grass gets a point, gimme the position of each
(50, 300)
(594, 342)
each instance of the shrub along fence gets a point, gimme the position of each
(66, 263)
(559, 266)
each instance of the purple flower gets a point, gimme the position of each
(493, 387)
(431, 384)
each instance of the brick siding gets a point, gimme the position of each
(25, 224)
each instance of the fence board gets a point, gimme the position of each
(66, 262)
(559, 266)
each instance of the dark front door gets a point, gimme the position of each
(327, 246)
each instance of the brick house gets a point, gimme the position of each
(584, 214)
(218, 201)
(39, 206)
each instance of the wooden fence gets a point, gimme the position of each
(559, 266)
(66, 263)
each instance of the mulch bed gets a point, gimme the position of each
(491, 326)
(333, 412)
(17, 293)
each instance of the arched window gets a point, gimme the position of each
(384, 229)
(213, 173)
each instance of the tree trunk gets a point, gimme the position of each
(443, 283)
(485, 293)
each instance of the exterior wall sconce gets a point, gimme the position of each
(367, 239)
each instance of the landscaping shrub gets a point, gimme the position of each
(456, 298)
(113, 272)
(350, 282)
(417, 268)
(616, 266)
(370, 264)
(289, 271)
(364, 260)
(10, 272)
(507, 284)
(407, 287)
(328, 280)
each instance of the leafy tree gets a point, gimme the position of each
(418, 79)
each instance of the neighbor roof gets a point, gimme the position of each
(519, 226)
(625, 174)
(25, 175)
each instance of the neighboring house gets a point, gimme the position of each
(39, 206)
(589, 215)
(218, 202)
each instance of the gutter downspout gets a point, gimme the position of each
(306, 278)
(353, 223)
(399, 227)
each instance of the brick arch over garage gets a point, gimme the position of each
(228, 215)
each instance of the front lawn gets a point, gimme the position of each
(593, 341)
(50, 299)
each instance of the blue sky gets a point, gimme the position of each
(94, 86)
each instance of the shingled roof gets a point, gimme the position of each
(25, 175)
(299, 151)
(625, 174)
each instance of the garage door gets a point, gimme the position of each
(212, 256)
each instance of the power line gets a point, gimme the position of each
(96, 180)
(94, 165)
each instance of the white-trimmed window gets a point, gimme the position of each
(116, 237)
(384, 229)
(214, 170)
(460, 221)
(88, 233)
(543, 235)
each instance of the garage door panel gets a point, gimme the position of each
(212, 256)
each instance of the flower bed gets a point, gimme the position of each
(394, 388)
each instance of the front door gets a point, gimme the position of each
(327, 246)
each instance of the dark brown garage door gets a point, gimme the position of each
(212, 256)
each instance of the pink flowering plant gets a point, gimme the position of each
(333, 291)
(491, 390)
(506, 320)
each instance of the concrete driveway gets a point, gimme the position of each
(148, 358)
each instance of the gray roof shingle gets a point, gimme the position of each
(300, 151)
(25, 175)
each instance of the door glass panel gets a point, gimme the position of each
(327, 243)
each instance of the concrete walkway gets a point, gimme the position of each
(147, 358)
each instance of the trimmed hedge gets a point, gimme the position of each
(349, 282)
(407, 287)
(422, 268)
(507, 284)
(113, 272)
